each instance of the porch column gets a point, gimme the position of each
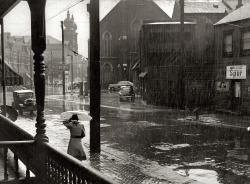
(38, 36)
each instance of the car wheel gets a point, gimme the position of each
(20, 112)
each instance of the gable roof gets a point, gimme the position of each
(107, 5)
(239, 14)
(204, 7)
(166, 5)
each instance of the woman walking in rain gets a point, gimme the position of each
(77, 132)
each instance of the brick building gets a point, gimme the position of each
(232, 61)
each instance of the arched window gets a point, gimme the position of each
(136, 26)
(107, 37)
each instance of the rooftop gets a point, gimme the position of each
(204, 7)
(240, 14)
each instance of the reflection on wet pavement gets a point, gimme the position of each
(149, 144)
(180, 144)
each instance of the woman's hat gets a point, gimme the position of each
(74, 117)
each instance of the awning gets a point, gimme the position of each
(11, 77)
(136, 64)
(143, 74)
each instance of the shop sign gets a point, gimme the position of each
(222, 86)
(236, 72)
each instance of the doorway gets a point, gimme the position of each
(236, 94)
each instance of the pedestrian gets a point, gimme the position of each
(77, 132)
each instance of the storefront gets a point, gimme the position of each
(231, 90)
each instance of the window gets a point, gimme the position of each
(107, 43)
(228, 45)
(245, 43)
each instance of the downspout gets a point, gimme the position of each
(3, 67)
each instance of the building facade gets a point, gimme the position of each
(232, 61)
(77, 64)
(161, 61)
(197, 85)
(18, 56)
(120, 23)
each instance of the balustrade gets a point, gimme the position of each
(59, 166)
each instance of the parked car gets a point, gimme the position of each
(117, 86)
(127, 93)
(24, 101)
(75, 85)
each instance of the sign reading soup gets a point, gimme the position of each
(236, 72)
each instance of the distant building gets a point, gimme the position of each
(162, 64)
(120, 22)
(53, 55)
(232, 35)
(18, 55)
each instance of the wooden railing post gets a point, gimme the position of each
(6, 174)
(16, 166)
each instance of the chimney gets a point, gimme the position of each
(239, 4)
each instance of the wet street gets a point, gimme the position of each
(144, 144)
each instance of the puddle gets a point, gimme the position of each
(202, 175)
(167, 146)
(104, 125)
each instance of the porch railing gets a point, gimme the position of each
(59, 167)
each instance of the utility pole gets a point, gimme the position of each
(63, 61)
(52, 72)
(95, 95)
(72, 75)
(182, 62)
(31, 67)
(18, 64)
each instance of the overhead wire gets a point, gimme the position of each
(66, 8)
(61, 11)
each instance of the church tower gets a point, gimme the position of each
(70, 34)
